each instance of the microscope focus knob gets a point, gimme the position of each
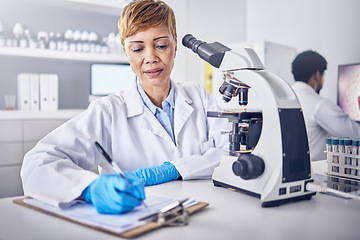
(248, 166)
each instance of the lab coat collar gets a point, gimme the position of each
(183, 109)
(134, 104)
(181, 95)
(303, 86)
(151, 106)
(136, 107)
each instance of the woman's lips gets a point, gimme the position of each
(153, 72)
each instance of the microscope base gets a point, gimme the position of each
(268, 203)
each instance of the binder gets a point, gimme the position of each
(34, 92)
(23, 81)
(136, 231)
(38, 92)
(53, 92)
(44, 92)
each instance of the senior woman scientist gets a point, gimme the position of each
(157, 130)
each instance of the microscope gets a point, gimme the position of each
(268, 154)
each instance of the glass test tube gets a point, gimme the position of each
(335, 149)
(341, 147)
(328, 145)
(348, 146)
(355, 153)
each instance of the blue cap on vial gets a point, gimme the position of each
(348, 142)
(335, 141)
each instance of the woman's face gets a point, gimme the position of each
(151, 55)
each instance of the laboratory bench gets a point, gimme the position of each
(230, 215)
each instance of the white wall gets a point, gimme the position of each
(180, 9)
(329, 27)
(209, 21)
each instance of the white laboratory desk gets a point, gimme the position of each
(230, 215)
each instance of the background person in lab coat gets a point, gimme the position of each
(157, 130)
(323, 118)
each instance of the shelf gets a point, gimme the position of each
(100, 3)
(60, 114)
(59, 55)
(109, 7)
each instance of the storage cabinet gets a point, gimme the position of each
(10, 181)
(15, 134)
(38, 128)
(20, 132)
(11, 152)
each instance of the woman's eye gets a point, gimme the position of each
(163, 46)
(137, 50)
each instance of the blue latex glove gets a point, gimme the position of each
(110, 193)
(159, 174)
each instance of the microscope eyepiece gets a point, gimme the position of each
(191, 42)
(213, 53)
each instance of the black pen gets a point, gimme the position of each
(114, 166)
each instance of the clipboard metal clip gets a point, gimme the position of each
(173, 215)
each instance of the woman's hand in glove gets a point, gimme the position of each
(110, 193)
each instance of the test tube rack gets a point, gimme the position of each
(343, 165)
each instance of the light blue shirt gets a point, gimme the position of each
(165, 115)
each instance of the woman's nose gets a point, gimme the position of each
(151, 56)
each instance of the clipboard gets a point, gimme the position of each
(149, 226)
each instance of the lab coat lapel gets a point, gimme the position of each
(183, 110)
(136, 107)
(133, 102)
(149, 122)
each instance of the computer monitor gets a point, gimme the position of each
(110, 78)
(349, 90)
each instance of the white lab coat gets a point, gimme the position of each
(57, 170)
(323, 119)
